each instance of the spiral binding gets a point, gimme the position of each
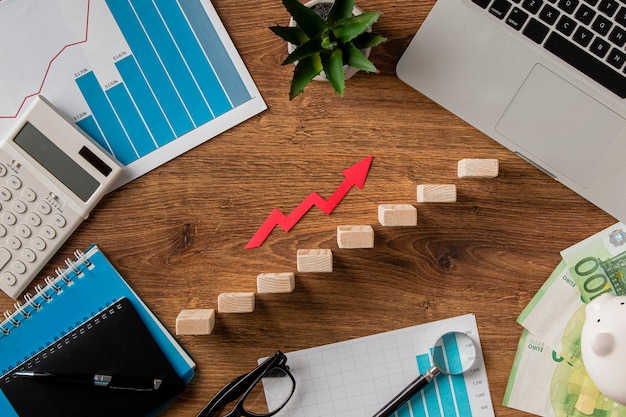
(44, 294)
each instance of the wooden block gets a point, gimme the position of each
(436, 193)
(353, 237)
(315, 260)
(235, 302)
(397, 215)
(478, 168)
(280, 282)
(197, 321)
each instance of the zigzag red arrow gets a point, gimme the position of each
(355, 175)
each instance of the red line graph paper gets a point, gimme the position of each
(50, 63)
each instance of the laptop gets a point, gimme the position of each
(544, 78)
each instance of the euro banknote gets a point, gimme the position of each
(544, 383)
(549, 311)
(598, 263)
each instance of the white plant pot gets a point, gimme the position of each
(347, 70)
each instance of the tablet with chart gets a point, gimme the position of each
(357, 377)
(147, 80)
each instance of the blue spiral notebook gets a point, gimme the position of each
(88, 285)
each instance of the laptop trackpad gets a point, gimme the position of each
(557, 123)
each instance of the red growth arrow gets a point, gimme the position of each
(355, 175)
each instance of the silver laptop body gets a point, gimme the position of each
(478, 62)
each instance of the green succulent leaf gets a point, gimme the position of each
(368, 40)
(310, 23)
(347, 29)
(342, 9)
(355, 58)
(307, 49)
(305, 70)
(291, 34)
(328, 41)
(332, 62)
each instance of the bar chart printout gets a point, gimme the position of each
(152, 79)
(357, 377)
(445, 396)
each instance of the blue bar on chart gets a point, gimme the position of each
(177, 76)
(145, 51)
(160, 128)
(89, 125)
(130, 118)
(224, 68)
(108, 124)
(445, 396)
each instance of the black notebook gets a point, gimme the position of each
(113, 342)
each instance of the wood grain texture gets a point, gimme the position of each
(275, 282)
(436, 193)
(195, 321)
(477, 168)
(177, 234)
(355, 237)
(392, 215)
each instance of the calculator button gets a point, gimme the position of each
(19, 206)
(19, 267)
(3, 231)
(59, 221)
(5, 194)
(42, 206)
(3, 170)
(9, 218)
(49, 232)
(14, 242)
(29, 255)
(9, 279)
(14, 182)
(24, 231)
(5, 257)
(39, 244)
(34, 219)
(29, 195)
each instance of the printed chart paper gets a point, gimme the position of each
(356, 378)
(146, 79)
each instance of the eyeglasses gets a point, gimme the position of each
(262, 392)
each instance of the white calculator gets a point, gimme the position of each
(51, 177)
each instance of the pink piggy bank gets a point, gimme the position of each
(603, 345)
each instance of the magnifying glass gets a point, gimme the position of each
(454, 353)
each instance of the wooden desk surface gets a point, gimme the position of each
(178, 233)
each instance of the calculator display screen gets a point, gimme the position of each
(57, 162)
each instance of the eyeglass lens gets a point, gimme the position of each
(270, 394)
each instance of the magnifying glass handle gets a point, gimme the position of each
(405, 395)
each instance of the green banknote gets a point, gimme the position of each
(549, 311)
(545, 383)
(528, 388)
(598, 263)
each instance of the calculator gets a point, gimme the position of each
(51, 177)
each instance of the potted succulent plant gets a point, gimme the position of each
(327, 41)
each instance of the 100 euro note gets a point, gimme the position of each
(549, 311)
(528, 388)
(542, 382)
(598, 263)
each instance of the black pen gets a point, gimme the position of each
(97, 380)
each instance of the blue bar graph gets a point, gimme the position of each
(176, 77)
(224, 68)
(154, 116)
(106, 118)
(445, 396)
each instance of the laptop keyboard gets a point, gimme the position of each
(590, 35)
